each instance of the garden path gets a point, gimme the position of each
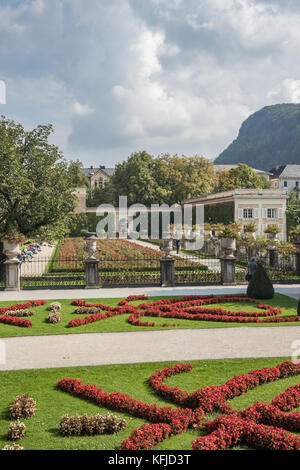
(213, 264)
(37, 266)
(146, 346)
(292, 290)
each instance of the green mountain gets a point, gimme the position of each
(267, 138)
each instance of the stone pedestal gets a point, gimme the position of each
(228, 270)
(12, 275)
(91, 273)
(167, 271)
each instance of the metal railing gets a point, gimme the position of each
(280, 267)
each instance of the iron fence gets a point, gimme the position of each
(52, 272)
(129, 271)
(197, 269)
(280, 267)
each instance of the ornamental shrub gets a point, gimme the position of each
(55, 306)
(16, 431)
(54, 316)
(91, 425)
(13, 447)
(260, 285)
(23, 407)
(20, 313)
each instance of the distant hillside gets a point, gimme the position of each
(267, 138)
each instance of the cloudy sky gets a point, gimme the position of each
(116, 76)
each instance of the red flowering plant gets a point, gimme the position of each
(15, 321)
(261, 426)
(186, 308)
(13, 237)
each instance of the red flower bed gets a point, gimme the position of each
(262, 425)
(9, 320)
(186, 308)
(31, 303)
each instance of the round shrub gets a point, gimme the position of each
(16, 431)
(54, 317)
(13, 447)
(55, 306)
(23, 407)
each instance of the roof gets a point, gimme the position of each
(230, 166)
(91, 171)
(287, 171)
(236, 193)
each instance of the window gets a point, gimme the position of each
(101, 182)
(285, 184)
(247, 213)
(272, 213)
(297, 184)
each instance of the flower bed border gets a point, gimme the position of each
(250, 426)
(185, 308)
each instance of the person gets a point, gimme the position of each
(177, 241)
(252, 265)
(20, 258)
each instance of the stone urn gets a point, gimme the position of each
(228, 245)
(91, 244)
(11, 250)
(250, 235)
(167, 245)
(272, 236)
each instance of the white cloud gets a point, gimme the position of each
(130, 74)
(82, 110)
(288, 91)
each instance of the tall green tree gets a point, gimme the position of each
(293, 210)
(36, 182)
(241, 177)
(136, 179)
(184, 177)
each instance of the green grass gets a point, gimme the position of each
(120, 323)
(42, 431)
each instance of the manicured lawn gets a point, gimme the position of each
(120, 323)
(43, 429)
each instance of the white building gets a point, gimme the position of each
(262, 206)
(287, 177)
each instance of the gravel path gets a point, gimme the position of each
(149, 346)
(292, 290)
(37, 266)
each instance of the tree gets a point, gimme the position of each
(241, 177)
(36, 182)
(136, 179)
(184, 177)
(260, 286)
(293, 210)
